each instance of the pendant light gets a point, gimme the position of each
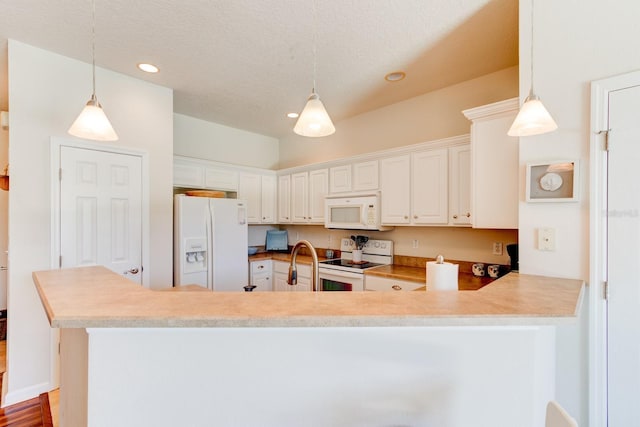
(314, 121)
(533, 118)
(92, 123)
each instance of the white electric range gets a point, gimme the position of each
(344, 274)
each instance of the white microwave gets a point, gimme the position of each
(359, 211)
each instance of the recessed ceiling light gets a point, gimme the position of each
(395, 76)
(148, 68)
(293, 115)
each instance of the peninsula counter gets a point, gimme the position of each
(133, 356)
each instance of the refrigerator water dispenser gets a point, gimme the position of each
(195, 254)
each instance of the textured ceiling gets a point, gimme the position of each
(246, 63)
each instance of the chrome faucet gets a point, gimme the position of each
(293, 271)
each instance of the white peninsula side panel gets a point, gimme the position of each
(410, 376)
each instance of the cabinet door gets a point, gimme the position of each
(365, 176)
(494, 165)
(429, 187)
(318, 188)
(280, 283)
(221, 179)
(187, 175)
(268, 202)
(300, 197)
(460, 185)
(395, 190)
(249, 189)
(262, 282)
(284, 198)
(340, 179)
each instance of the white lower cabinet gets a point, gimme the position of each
(281, 275)
(261, 275)
(377, 283)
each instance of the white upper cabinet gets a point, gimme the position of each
(300, 197)
(494, 165)
(284, 199)
(429, 187)
(259, 191)
(395, 190)
(188, 175)
(308, 190)
(414, 188)
(340, 179)
(318, 189)
(268, 201)
(460, 185)
(249, 189)
(365, 176)
(220, 179)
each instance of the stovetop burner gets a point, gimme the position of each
(350, 264)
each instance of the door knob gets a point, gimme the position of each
(132, 271)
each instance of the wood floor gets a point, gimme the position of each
(36, 412)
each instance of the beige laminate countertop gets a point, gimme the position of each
(97, 297)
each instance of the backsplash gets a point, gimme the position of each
(462, 244)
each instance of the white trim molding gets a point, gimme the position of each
(600, 90)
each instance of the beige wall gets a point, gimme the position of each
(47, 92)
(211, 141)
(462, 244)
(427, 117)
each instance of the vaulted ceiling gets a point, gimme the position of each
(247, 63)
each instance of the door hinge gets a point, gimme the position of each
(60, 261)
(606, 138)
(605, 290)
(60, 174)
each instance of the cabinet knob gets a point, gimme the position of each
(406, 217)
(261, 266)
(415, 217)
(455, 217)
(468, 214)
(396, 287)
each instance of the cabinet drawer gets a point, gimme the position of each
(375, 283)
(261, 266)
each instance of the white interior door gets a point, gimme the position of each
(101, 210)
(623, 259)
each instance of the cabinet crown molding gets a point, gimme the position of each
(491, 110)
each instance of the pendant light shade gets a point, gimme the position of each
(92, 123)
(314, 121)
(533, 118)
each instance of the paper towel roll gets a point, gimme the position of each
(442, 277)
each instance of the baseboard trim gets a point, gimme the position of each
(23, 394)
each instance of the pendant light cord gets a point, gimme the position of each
(93, 45)
(531, 49)
(315, 52)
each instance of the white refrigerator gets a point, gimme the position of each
(210, 243)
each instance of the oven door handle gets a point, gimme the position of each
(339, 273)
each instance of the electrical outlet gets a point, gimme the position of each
(497, 248)
(547, 239)
(416, 243)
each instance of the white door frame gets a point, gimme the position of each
(600, 90)
(56, 144)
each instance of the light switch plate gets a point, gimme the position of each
(497, 248)
(547, 239)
